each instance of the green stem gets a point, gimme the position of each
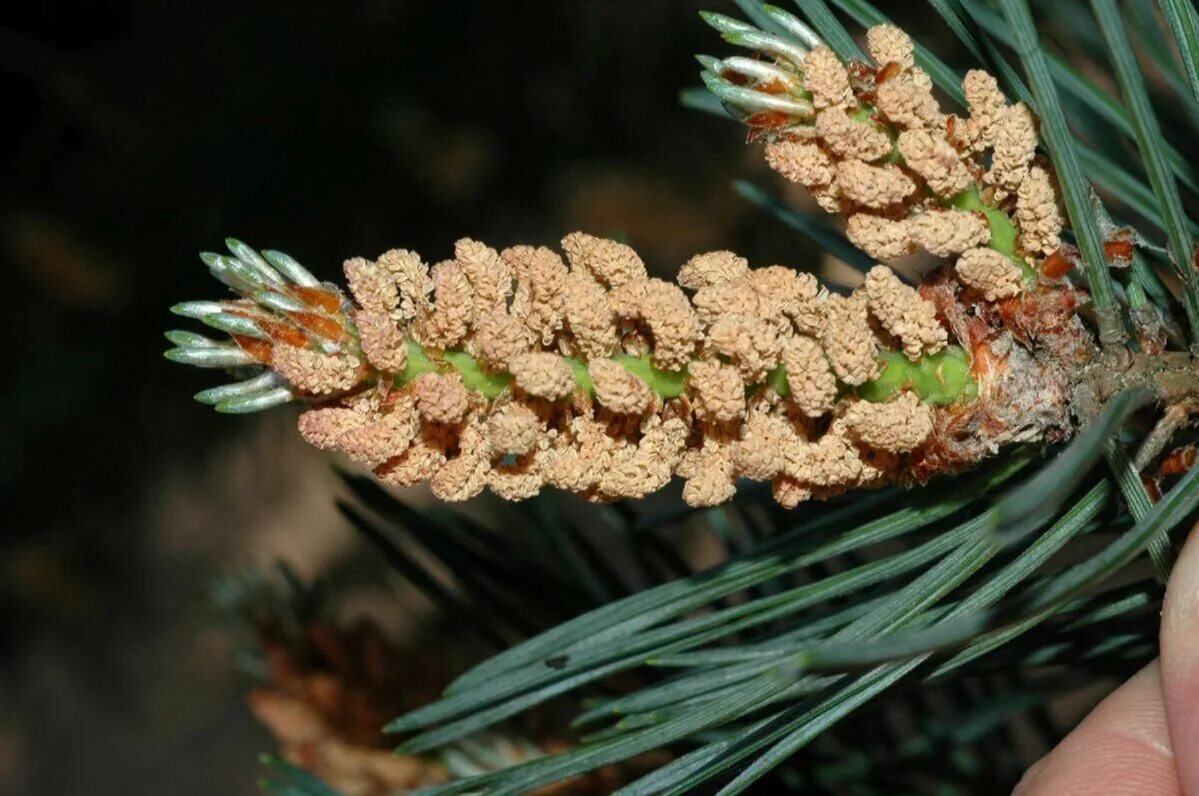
(1003, 231)
(490, 383)
(941, 379)
(666, 383)
(865, 115)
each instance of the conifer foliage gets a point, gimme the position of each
(1042, 374)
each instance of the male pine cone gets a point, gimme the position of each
(518, 369)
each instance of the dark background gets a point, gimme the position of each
(138, 133)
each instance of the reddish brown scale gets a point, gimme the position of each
(861, 80)
(1034, 315)
(1151, 342)
(1021, 315)
(1178, 461)
(940, 288)
(944, 452)
(1056, 265)
(319, 324)
(734, 77)
(985, 364)
(768, 120)
(774, 86)
(329, 302)
(259, 349)
(1152, 487)
(1118, 251)
(887, 72)
(282, 333)
(245, 309)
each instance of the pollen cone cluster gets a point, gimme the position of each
(524, 368)
(872, 143)
(583, 373)
(518, 369)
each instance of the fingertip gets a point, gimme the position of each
(1180, 661)
(1121, 749)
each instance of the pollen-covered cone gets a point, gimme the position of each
(583, 373)
(523, 368)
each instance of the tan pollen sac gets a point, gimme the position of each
(878, 466)
(758, 455)
(753, 344)
(829, 197)
(849, 341)
(460, 478)
(904, 313)
(580, 455)
(411, 277)
(618, 390)
(589, 317)
(520, 480)
(946, 232)
(826, 78)
(313, 372)
(796, 295)
(371, 285)
(735, 298)
(873, 186)
(610, 263)
(849, 138)
(671, 319)
(382, 341)
(540, 300)
(420, 462)
(1037, 213)
(991, 273)
(717, 391)
(712, 268)
(514, 428)
(711, 480)
(897, 426)
(625, 300)
(369, 402)
(789, 492)
(638, 470)
(624, 477)
(667, 438)
(497, 338)
(986, 102)
(489, 276)
(888, 44)
(386, 436)
(802, 298)
(1015, 147)
(920, 79)
(441, 397)
(465, 475)
(543, 374)
(907, 104)
(832, 461)
(935, 159)
(325, 426)
(810, 377)
(801, 162)
(881, 238)
(445, 323)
